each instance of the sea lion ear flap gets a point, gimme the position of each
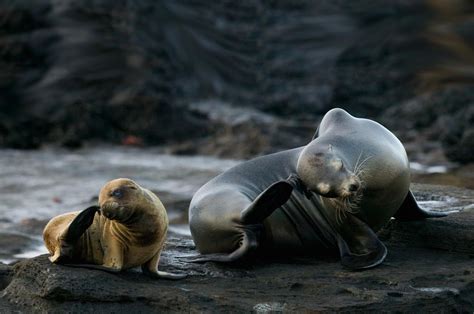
(359, 246)
(316, 134)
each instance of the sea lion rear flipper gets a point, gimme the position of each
(80, 224)
(410, 210)
(265, 204)
(150, 269)
(248, 244)
(359, 246)
(163, 275)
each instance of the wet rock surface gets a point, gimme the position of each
(430, 267)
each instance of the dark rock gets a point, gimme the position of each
(414, 276)
(31, 225)
(12, 243)
(6, 275)
(445, 116)
(104, 70)
(240, 132)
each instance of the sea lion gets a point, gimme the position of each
(330, 195)
(127, 229)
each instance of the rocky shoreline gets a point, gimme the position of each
(429, 268)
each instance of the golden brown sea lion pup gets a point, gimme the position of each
(129, 230)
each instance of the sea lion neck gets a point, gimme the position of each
(139, 215)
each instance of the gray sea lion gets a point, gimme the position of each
(129, 232)
(332, 194)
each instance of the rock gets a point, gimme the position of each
(415, 276)
(134, 72)
(12, 243)
(241, 132)
(31, 225)
(6, 273)
(439, 119)
(454, 233)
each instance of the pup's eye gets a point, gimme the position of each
(132, 187)
(118, 193)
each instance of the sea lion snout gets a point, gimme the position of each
(111, 209)
(115, 197)
(350, 187)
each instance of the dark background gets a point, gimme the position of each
(235, 78)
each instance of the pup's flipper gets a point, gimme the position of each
(79, 225)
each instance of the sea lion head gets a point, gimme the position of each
(323, 170)
(119, 199)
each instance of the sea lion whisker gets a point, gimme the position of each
(365, 160)
(360, 168)
(357, 162)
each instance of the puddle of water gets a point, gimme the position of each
(417, 167)
(38, 250)
(436, 290)
(182, 229)
(270, 307)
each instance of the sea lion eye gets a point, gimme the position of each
(118, 193)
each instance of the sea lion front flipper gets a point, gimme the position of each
(358, 245)
(265, 204)
(79, 225)
(70, 235)
(410, 210)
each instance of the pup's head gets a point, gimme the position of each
(118, 199)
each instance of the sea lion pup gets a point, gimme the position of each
(129, 230)
(330, 195)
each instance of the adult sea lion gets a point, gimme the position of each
(332, 194)
(127, 229)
